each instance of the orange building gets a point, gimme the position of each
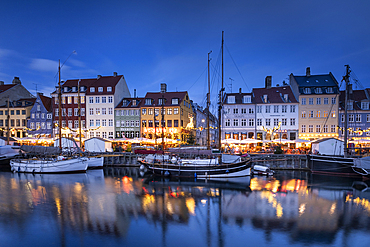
(172, 109)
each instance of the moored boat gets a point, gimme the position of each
(94, 162)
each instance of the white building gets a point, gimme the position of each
(238, 121)
(201, 126)
(101, 98)
(276, 112)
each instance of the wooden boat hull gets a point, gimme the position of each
(48, 166)
(94, 162)
(333, 166)
(240, 169)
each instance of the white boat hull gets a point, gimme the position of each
(48, 166)
(94, 162)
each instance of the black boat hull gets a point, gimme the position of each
(332, 166)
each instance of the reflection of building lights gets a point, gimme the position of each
(169, 208)
(190, 204)
(333, 207)
(203, 201)
(302, 208)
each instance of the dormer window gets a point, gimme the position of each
(92, 90)
(264, 98)
(365, 105)
(318, 90)
(148, 101)
(329, 90)
(82, 89)
(65, 89)
(100, 89)
(231, 99)
(109, 89)
(285, 97)
(175, 101)
(161, 101)
(134, 102)
(307, 90)
(124, 102)
(247, 99)
(74, 89)
(350, 105)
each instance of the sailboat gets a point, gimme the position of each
(226, 166)
(59, 164)
(341, 165)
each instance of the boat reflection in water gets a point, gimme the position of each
(117, 207)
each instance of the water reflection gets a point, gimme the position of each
(116, 206)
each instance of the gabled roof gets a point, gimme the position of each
(168, 96)
(47, 102)
(274, 95)
(129, 101)
(3, 88)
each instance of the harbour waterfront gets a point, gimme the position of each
(118, 207)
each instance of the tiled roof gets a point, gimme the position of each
(168, 96)
(357, 96)
(129, 101)
(326, 80)
(3, 88)
(47, 102)
(274, 95)
(239, 97)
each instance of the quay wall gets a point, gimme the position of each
(282, 161)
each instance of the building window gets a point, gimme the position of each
(310, 101)
(76, 111)
(329, 90)
(97, 122)
(326, 114)
(326, 101)
(91, 111)
(268, 121)
(244, 122)
(303, 101)
(358, 118)
(103, 122)
(283, 121)
(276, 121)
(100, 89)
(110, 111)
(318, 128)
(267, 109)
(310, 128)
(351, 118)
(236, 122)
(97, 111)
(175, 123)
(303, 114)
(82, 99)
(231, 99)
(91, 100)
(292, 121)
(368, 118)
(303, 128)
(76, 124)
(259, 121)
(283, 108)
(70, 124)
(332, 128)
(333, 114)
(235, 110)
(110, 122)
(307, 90)
(276, 109)
(104, 111)
(69, 112)
(251, 122)
(259, 109)
(318, 101)
(92, 90)
(110, 99)
(333, 100)
(97, 100)
(318, 114)
(247, 99)
(318, 90)
(325, 128)
(109, 89)
(227, 122)
(311, 114)
(175, 111)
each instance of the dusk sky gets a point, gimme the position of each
(150, 42)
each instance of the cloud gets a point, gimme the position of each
(44, 65)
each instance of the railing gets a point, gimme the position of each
(282, 161)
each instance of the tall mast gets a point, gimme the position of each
(208, 104)
(79, 114)
(60, 109)
(346, 79)
(8, 125)
(221, 93)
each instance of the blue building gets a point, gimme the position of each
(358, 113)
(40, 123)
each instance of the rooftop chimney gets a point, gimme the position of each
(163, 87)
(268, 81)
(99, 76)
(308, 71)
(134, 93)
(240, 90)
(1, 83)
(16, 80)
(114, 74)
(41, 94)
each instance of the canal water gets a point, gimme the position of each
(118, 207)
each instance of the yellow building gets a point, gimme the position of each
(19, 111)
(172, 109)
(318, 105)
